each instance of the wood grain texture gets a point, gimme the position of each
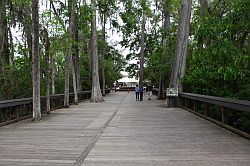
(121, 132)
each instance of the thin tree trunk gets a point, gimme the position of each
(75, 48)
(166, 25)
(103, 54)
(72, 35)
(87, 50)
(142, 44)
(77, 64)
(5, 54)
(74, 82)
(2, 27)
(179, 64)
(11, 44)
(66, 83)
(53, 75)
(28, 28)
(36, 61)
(47, 70)
(4, 44)
(96, 95)
(3, 31)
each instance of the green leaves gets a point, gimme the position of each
(219, 65)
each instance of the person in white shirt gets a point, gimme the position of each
(137, 92)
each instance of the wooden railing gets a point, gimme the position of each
(228, 113)
(225, 112)
(18, 109)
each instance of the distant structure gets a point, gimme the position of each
(125, 81)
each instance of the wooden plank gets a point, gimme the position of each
(146, 134)
(121, 132)
(58, 139)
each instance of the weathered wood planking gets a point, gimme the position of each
(121, 132)
(147, 134)
(58, 139)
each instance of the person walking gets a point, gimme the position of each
(141, 93)
(149, 88)
(137, 91)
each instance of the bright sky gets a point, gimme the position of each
(113, 36)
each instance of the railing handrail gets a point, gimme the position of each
(241, 105)
(15, 110)
(15, 102)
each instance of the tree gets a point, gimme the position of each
(218, 65)
(3, 35)
(103, 18)
(35, 61)
(66, 78)
(96, 95)
(179, 64)
(6, 58)
(142, 45)
(46, 42)
(75, 59)
(165, 27)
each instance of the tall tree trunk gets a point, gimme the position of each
(166, 24)
(74, 82)
(28, 28)
(66, 79)
(72, 35)
(36, 61)
(3, 27)
(142, 44)
(77, 62)
(12, 49)
(103, 53)
(4, 50)
(179, 64)
(53, 75)
(75, 48)
(96, 95)
(47, 70)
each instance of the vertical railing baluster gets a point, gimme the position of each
(206, 109)
(224, 118)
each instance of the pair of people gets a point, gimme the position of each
(139, 93)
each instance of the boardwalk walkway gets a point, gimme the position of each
(121, 132)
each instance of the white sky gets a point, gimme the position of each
(113, 36)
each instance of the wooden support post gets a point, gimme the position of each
(224, 118)
(185, 102)
(206, 109)
(194, 105)
(17, 112)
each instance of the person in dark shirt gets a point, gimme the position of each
(141, 93)
(149, 89)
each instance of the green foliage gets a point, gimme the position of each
(16, 79)
(219, 61)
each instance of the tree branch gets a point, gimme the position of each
(55, 12)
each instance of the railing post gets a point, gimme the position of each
(185, 102)
(224, 118)
(194, 105)
(17, 113)
(206, 109)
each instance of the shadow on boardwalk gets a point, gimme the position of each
(121, 132)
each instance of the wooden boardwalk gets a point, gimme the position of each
(121, 132)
